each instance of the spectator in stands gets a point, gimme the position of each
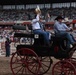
(48, 17)
(61, 29)
(7, 47)
(37, 27)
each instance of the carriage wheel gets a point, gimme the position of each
(73, 60)
(63, 68)
(45, 65)
(20, 63)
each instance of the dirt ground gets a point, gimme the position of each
(5, 66)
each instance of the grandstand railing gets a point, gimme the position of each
(49, 25)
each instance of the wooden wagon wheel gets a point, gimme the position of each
(63, 67)
(20, 63)
(45, 64)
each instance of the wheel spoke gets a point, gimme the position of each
(44, 65)
(19, 70)
(22, 71)
(17, 66)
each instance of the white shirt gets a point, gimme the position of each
(35, 23)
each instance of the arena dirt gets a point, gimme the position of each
(5, 66)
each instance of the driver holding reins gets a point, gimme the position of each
(61, 29)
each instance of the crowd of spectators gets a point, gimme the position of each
(15, 15)
(6, 34)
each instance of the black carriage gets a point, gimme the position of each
(35, 57)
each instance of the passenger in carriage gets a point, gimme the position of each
(61, 29)
(38, 28)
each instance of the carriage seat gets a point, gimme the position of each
(54, 37)
(59, 40)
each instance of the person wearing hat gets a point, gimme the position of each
(61, 29)
(37, 27)
(66, 21)
(7, 47)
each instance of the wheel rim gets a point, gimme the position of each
(63, 68)
(19, 62)
(45, 65)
